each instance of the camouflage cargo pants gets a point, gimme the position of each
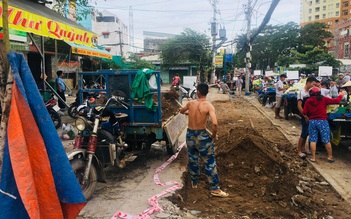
(199, 143)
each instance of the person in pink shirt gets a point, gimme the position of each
(176, 80)
(315, 112)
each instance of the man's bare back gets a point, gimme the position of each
(198, 111)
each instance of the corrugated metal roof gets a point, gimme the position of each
(39, 9)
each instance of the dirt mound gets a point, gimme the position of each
(169, 104)
(261, 174)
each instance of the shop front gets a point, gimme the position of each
(43, 33)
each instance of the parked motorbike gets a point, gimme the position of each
(99, 143)
(72, 109)
(188, 92)
(53, 109)
(267, 96)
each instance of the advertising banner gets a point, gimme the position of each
(292, 74)
(22, 20)
(89, 51)
(219, 61)
(325, 71)
(257, 72)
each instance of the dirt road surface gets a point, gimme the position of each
(257, 163)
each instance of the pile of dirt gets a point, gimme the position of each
(261, 173)
(170, 104)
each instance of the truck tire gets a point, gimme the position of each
(78, 167)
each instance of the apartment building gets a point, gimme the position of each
(327, 11)
(335, 13)
(112, 33)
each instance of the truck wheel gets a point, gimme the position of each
(78, 167)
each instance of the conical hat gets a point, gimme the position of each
(347, 84)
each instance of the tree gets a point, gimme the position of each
(190, 47)
(316, 57)
(137, 63)
(314, 35)
(82, 8)
(273, 42)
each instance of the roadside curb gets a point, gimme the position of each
(326, 176)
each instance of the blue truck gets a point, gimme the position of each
(143, 127)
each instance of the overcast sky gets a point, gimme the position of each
(173, 16)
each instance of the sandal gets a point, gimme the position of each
(307, 152)
(313, 161)
(220, 194)
(331, 160)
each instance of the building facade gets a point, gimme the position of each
(336, 14)
(112, 33)
(153, 40)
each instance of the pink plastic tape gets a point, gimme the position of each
(155, 207)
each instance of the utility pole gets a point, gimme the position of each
(131, 30)
(120, 42)
(214, 35)
(5, 26)
(248, 49)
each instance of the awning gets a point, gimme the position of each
(31, 17)
(345, 61)
(89, 51)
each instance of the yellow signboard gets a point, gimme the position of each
(219, 61)
(23, 20)
(88, 51)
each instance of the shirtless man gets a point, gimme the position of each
(199, 142)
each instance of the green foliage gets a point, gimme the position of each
(273, 42)
(238, 60)
(109, 64)
(289, 44)
(314, 35)
(82, 5)
(190, 47)
(316, 57)
(137, 63)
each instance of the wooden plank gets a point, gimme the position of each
(175, 127)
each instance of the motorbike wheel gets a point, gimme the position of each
(286, 112)
(72, 111)
(56, 119)
(260, 98)
(78, 167)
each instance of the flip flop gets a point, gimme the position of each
(307, 152)
(220, 194)
(313, 161)
(331, 160)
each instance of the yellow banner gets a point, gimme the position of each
(23, 20)
(219, 61)
(87, 52)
